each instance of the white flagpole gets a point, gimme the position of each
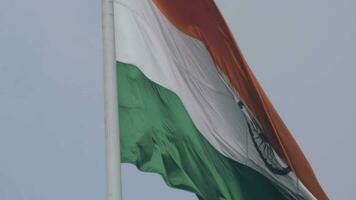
(113, 170)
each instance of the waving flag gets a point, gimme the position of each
(191, 109)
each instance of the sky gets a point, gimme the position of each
(51, 93)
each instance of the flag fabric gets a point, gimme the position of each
(192, 111)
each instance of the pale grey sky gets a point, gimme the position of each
(51, 104)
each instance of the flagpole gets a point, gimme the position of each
(112, 139)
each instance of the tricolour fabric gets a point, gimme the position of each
(151, 41)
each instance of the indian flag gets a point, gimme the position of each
(191, 110)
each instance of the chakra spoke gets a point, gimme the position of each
(264, 149)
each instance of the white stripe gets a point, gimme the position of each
(169, 57)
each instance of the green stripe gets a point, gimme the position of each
(157, 135)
